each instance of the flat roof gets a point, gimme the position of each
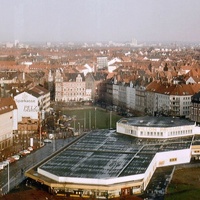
(104, 154)
(160, 121)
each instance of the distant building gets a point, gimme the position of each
(102, 62)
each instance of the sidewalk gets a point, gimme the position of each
(21, 142)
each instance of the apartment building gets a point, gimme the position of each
(174, 100)
(140, 99)
(8, 118)
(195, 108)
(71, 87)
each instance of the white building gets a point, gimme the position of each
(102, 62)
(8, 118)
(156, 127)
(130, 99)
(31, 102)
(125, 169)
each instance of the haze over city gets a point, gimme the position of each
(99, 20)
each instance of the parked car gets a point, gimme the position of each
(26, 151)
(5, 163)
(16, 157)
(1, 165)
(30, 148)
(21, 153)
(47, 141)
(10, 159)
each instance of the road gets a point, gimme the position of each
(13, 174)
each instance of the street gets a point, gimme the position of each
(13, 174)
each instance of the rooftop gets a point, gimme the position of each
(149, 121)
(104, 154)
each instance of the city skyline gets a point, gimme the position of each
(99, 20)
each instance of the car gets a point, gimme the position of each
(10, 159)
(1, 165)
(5, 163)
(26, 151)
(47, 141)
(21, 153)
(30, 148)
(16, 157)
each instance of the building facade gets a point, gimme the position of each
(71, 87)
(8, 118)
(102, 62)
(195, 108)
(156, 127)
(173, 100)
(31, 102)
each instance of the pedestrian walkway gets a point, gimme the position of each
(21, 142)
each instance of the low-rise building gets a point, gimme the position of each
(104, 164)
(156, 127)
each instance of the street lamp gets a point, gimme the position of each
(40, 126)
(79, 128)
(40, 117)
(110, 119)
(95, 119)
(8, 176)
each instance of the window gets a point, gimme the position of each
(172, 159)
(162, 162)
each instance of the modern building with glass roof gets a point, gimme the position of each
(106, 164)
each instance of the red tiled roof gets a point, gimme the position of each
(178, 89)
(7, 104)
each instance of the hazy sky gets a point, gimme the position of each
(99, 20)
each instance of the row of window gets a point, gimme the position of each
(180, 132)
(170, 160)
(72, 89)
(151, 133)
(74, 94)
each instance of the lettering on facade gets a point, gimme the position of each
(30, 108)
(25, 101)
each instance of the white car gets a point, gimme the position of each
(16, 157)
(1, 165)
(47, 141)
(5, 163)
(26, 151)
(30, 148)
